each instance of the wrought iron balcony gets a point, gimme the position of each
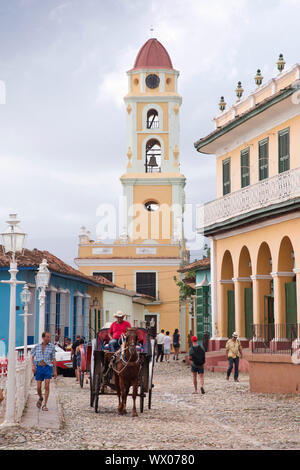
(278, 189)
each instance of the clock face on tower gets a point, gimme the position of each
(152, 81)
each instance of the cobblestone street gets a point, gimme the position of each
(227, 417)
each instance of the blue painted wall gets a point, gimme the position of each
(28, 275)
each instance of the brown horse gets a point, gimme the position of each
(127, 371)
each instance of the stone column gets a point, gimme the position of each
(297, 272)
(213, 287)
(280, 279)
(240, 285)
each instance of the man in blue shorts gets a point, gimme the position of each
(43, 367)
(197, 360)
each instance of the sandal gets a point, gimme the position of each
(39, 402)
(45, 408)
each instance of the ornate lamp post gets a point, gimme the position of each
(281, 63)
(42, 282)
(13, 241)
(239, 91)
(222, 104)
(25, 299)
(258, 78)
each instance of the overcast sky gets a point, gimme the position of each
(63, 126)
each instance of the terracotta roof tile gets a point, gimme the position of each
(204, 263)
(33, 258)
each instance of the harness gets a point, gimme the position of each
(121, 356)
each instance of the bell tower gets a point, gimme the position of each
(153, 182)
(150, 249)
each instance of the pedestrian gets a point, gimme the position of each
(197, 361)
(44, 367)
(74, 357)
(167, 346)
(81, 358)
(160, 346)
(68, 346)
(176, 344)
(56, 341)
(234, 353)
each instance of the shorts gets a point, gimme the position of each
(197, 369)
(43, 373)
(167, 350)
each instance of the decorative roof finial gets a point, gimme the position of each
(151, 31)
(239, 91)
(281, 63)
(222, 104)
(258, 78)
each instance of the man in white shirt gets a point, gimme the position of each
(160, 341)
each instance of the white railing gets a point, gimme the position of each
(271, 191)
(23, 380)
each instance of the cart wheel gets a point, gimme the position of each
(98, 384)
(92, 395)
(142, 397)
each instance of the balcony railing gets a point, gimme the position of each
(275, 339)
(275, 190)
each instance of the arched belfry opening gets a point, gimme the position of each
(152, 119)
(153, 156)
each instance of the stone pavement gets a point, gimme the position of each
(227, 417)
(34, 417)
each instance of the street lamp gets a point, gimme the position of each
(42, 282)
(25, 299)
(13, 241)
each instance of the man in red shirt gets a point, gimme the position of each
(116, 330)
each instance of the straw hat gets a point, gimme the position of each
(120, 314)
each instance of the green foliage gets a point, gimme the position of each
(186, 291)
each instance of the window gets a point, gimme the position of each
(284, 150)
(75, 300)
(226, 177)
(146, 284)
(263, 159)
(57, 314)
(106, 275)
(153, 156)
(47, 311)
(152, 119)
(245, 168)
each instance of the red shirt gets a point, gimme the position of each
(116, 329)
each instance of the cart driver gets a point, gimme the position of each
(116, 330)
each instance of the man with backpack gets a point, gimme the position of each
(197, 360)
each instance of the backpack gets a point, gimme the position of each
(198, 356)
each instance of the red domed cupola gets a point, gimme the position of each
(153, 55)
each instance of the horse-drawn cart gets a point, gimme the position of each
(104, 373)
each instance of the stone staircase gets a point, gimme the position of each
(216, 361)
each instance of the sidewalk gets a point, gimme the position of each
(34, 417)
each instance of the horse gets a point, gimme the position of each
(127, 369)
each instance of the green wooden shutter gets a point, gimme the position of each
(226, 177)
(284, 150)
(263, 157)
(291, 303)
(248, 312)
(245, 168)
(203, 313)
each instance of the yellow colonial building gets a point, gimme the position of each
(151, 248)
(254, 224)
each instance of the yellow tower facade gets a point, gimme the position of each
(151, 248)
